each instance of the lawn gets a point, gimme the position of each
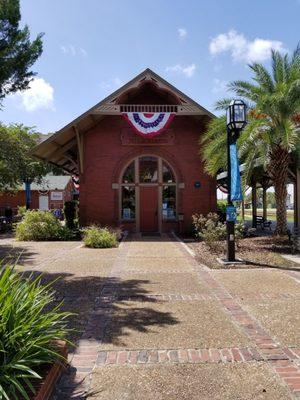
(271, 214)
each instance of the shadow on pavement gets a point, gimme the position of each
(283, 268)
(10, 254)
(82, 296)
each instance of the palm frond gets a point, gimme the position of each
(213, 145)
(245, 89)
(222, 104)
(262, 77)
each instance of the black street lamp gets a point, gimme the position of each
(236, 121)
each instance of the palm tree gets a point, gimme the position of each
(270, 137)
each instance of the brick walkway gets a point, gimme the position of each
(159, 308)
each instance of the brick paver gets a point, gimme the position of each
(93, 354)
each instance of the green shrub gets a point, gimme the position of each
(21, 211)
(199, 221)
(97, 237)
(209, 229)
(70, 212)
(222, 205)
(41, 225)
(116, 231)
(213, 234)
(28, 327)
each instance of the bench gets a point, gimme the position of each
(262, 222)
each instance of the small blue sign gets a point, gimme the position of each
(197, 185)
(230, 213)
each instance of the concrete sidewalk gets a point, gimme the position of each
(165, 328)
(156, 325)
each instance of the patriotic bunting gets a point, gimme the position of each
(148, 125)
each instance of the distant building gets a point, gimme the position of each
(50, 194)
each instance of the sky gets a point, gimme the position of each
(92, 47)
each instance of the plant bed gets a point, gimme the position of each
(256, 252)
(50, 374)
(34, 332)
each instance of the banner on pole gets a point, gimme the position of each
(236, 193)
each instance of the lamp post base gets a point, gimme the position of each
(224, 261)
(230, 241)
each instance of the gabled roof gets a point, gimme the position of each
(52, 182)
(64, 147)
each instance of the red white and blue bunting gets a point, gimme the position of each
(149, 125)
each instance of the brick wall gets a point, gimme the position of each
(105, 156)
(19, 199)
(14, 200)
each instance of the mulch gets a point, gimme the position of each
(256, 252)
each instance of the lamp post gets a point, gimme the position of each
(236, 121)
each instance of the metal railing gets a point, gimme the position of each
(148, 108)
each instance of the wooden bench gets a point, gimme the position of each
(262, 222)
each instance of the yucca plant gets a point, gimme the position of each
(29, 325)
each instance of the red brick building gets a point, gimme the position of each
(144, 184)
(50, 194)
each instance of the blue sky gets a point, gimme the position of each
(91, 47)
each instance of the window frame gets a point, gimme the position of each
(160, 184)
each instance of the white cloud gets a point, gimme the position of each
(219, 85)
(117, 81)
(73, 50)
(38, 96)
(187, 71)
(111, 84)
(242, 49)
(182, 32)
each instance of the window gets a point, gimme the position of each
(128, 193)
(168, 176)
(148, 167)
(128, 202)
(169, 202)
(128, 176)
(143, 171)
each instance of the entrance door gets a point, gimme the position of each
(44, 202)
(148, 208)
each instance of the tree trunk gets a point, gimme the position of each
(254, 205)
(264, 202)
(243, 210)
(279, 172)
(281, 215)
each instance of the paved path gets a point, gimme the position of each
(156, 325)
(164, 327)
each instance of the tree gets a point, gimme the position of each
(271, 202)
(270, 138)
(17, 52)
(16, 165)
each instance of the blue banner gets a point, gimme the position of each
(235, 178)
(28, 193)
